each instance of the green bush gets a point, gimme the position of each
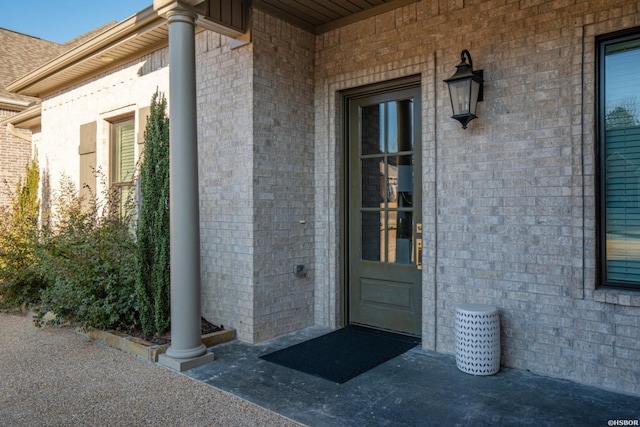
(87, 257)
(84, 264)
(20, 278)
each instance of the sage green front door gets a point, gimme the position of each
(384, 210)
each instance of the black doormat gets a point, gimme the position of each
(343, 354)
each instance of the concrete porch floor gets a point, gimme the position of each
(419, 388)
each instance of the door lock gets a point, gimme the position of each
(418, 245)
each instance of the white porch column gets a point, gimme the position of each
(186, 350)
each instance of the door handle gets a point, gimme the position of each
(418, 245)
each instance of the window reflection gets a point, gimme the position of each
(387, 182)
(622, 160)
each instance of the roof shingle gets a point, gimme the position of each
(22, 53)
(19, 54)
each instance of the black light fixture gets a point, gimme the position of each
(465, 90)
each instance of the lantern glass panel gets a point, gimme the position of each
(475, 90)
(460, 92)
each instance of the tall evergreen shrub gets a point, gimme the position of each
(152, 232)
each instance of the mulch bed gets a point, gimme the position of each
(206, 327)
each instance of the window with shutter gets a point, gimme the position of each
(123, 163)
(619, 163)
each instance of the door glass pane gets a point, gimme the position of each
(622, 161)
(399, 126)
(372, 129)
(402, 167)
(400, 216)
(392, 127)
(373, 232)
(373, 179)
(386, 167)
(402, 239)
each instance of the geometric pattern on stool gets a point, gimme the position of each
(477, 329)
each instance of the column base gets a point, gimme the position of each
(181, 365)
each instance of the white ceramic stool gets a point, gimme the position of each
(477, 339)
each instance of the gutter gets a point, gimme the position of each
(135, 24)
(13, 104)
(31, 114)
(12, 130)
(16, 104)
(114, 46)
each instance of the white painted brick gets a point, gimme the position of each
(125, 89)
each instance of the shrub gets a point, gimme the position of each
(152, 275)
(20, 278)
(87, 256)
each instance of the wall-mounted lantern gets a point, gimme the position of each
(465, 89)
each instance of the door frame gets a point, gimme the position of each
(344, 97)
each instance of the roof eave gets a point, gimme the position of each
(27, 119)
(13, 104)
(142, 21)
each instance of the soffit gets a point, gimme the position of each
(319, 16)
(137, 35)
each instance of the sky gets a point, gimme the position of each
(62, 20)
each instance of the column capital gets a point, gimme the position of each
(181, 15)
(159, 4)
(172, 8)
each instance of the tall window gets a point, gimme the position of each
(123, 162)
(619, 159)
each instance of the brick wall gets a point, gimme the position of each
(255, 169)
(283, 176)
(255, 118)
(14, 155)
(225, 136)
(509, 202)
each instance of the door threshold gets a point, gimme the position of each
(389, 332)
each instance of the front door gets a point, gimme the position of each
(384, 210)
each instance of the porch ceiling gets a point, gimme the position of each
(319, 16)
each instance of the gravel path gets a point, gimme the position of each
(53, 377)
